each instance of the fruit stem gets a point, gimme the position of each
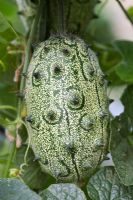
(61, 18)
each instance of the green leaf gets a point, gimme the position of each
(8, 65)
(6, 31)
(105, 185)
(122, 139)
(3, 23)
(97, 29)
(125, 68)
(13, 189)
(100, 24)
(130, 12)
(63, 192)
(108, 58)
(9, 9)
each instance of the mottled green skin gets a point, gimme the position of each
(67, 105)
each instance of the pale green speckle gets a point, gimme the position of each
(66, 97)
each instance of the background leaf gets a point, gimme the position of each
(125, 68)
(10, 11)
(130, 12)
(63, 192)
(13, 189)
(122, 139)
(10, 58)
(109, 57)
(105, 185)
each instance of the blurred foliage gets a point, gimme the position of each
(10, 11)
(130, 12)
(11, 50)
(122, 139)
(116, 60)
(124, 69)
(99, 28)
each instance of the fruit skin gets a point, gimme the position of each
(67, 107)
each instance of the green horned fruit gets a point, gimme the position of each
(67, 108)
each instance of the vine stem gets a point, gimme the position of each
(10, 158)
(21, 6)
(28, 55)
(125, 12)
(12, 149)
